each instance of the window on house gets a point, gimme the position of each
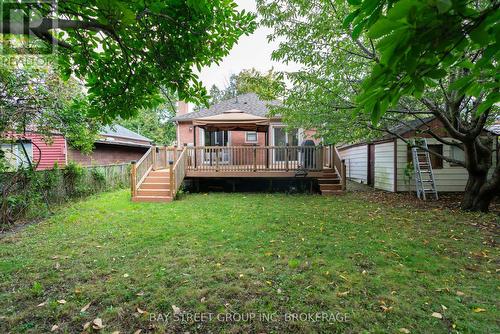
(457, 153)
(251, 137)
(15, 155)
(436, 162)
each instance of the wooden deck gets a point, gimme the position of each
(171, 165)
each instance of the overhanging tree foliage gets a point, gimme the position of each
(35, 98)
(373, 64)
(126, 50)
(268, 86)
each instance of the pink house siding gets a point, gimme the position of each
(47, 154)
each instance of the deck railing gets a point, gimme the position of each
(178, 172)
(339, 165)
(235, 159)
(255, 158)
(165, 154)
(140, 170)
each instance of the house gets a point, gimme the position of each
(115, 145)
(385, 163)
(248, 105)
(234, 142)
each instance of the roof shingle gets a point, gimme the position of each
(249, 103)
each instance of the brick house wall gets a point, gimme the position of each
(107, 154)
(185, 132)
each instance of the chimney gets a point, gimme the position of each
(182, 108)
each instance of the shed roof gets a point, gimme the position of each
(116, 130)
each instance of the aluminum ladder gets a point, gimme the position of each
(424, 176)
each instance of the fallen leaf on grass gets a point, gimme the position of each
(86, 325)
(478, 310)
(61, 301)
(140, 294)
(404, 330)
(54, 328)
(125, 275)
(385, 308)
(437, 315)
(140, 311)
(97, 324)
(460, 293)
(138, 331)
(342, 294)
(85, 308)
(42, 304)
(116, 332)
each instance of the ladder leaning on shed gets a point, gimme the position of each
(424, 176)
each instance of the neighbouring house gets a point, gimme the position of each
(193, 128)
(116, 144)
(385, 163)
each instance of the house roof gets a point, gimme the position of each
(116, 130)
(249, 103)
(401, 129)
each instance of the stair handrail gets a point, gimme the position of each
(339, 165)
(140, 170)
(178, 172)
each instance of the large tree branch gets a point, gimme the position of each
(439, 113)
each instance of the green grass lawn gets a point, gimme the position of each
(371, 267)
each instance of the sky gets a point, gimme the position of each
(251, 51)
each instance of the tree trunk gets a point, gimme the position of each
(480, 191)
(475, 183)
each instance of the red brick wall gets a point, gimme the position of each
(237, 138)
(105, 154)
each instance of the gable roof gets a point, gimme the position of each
(116, 130)
(249, 103)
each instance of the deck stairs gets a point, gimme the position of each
(329, 183)
(425, 183)
(155, 187)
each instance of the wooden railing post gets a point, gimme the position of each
(195, 157)
(332, 162)
(286, 158)
(133, 176)
(267, 157)
(153, 152)
(344, 179)
(175, 153)
(172, 180)
(255, 158)
(216, 159)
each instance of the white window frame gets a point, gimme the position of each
(251, 141)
